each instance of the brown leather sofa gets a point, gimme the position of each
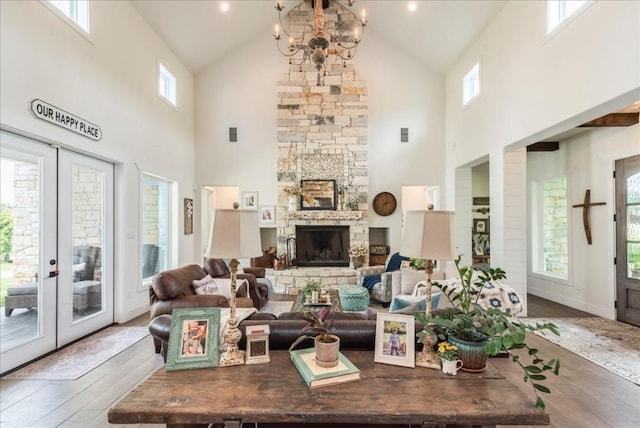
(174, 289)
(357, 331)
(259, 293)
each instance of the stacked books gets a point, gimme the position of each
(316, 376)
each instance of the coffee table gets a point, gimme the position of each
(276, 393)
(334, 300)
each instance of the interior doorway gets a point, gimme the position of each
(628, 240)
(57, 248)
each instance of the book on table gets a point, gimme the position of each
(316, 376)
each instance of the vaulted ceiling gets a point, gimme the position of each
(199, 33)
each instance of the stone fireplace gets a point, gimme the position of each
(326, 246)
(322, 135)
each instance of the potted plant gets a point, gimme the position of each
(358, 255)
(311, 289)
(327, 345)
(417, 264)
(490, 331)
(448, 354)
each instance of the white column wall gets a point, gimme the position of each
(111, 81)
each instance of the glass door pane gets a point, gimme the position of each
(85, 245)
(27, 246)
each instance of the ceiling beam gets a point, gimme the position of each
(613, 119)
(544, 146)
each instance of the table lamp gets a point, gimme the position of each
(235, 234)
(428, 235)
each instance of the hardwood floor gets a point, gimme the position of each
(584, 395)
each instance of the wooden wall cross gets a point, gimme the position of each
(585, 212)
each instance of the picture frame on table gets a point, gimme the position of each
(249, 200)
(193, 339)
(267, 215)
(405, 264)
(395, 340)
(318, 195)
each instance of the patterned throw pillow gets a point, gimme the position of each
(205, 285)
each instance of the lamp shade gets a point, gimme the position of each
(234, 234)
(429, 235)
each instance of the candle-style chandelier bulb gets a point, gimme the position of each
(319, 45)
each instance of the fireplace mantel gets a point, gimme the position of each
(326, 215)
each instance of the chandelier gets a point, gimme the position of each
(340, 39)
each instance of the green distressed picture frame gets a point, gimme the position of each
(194, 339)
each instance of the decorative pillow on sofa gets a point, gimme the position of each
(224, 286)
(409, 279)
(410, 304)
(205, 285)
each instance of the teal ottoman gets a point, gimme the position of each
(353, 297)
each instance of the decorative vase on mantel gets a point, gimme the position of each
(293, 202)
(358, 261)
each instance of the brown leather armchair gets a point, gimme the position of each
(259, 293)
(174, 289)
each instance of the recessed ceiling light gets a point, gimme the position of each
(224, 6)
(412, 6)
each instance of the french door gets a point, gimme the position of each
(628, 240)
(56, 247)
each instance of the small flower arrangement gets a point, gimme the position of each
(342, 188)
(360, 251)
(447, 351)
(293, 190)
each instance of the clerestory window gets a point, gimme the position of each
(76, 10)
(166, 85)
(471, 84)
(560, 10)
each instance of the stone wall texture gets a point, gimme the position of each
(323, 133)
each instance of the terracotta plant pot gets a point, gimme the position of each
(327, 352)
(472, 354)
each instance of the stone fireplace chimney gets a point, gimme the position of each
(322, 134)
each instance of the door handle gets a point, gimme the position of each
(54, 273)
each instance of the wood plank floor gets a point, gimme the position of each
(584, 395)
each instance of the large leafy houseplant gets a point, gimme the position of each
(498, 330)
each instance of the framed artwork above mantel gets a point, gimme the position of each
(318, 195)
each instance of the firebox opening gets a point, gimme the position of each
(322, 246)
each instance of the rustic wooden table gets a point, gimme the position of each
(275, 393)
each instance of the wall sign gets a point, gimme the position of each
(53, 114)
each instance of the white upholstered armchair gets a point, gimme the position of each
(381, 291)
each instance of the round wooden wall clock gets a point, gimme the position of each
(384, 203)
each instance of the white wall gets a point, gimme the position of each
(535, 86)
(531, 83)
(240, 90)
(587, 160)
(112, 82)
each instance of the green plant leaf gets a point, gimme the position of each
(541, 388)
(539, 403)
(537, 377)
(533, 369)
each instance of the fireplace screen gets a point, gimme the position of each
(322, 246)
